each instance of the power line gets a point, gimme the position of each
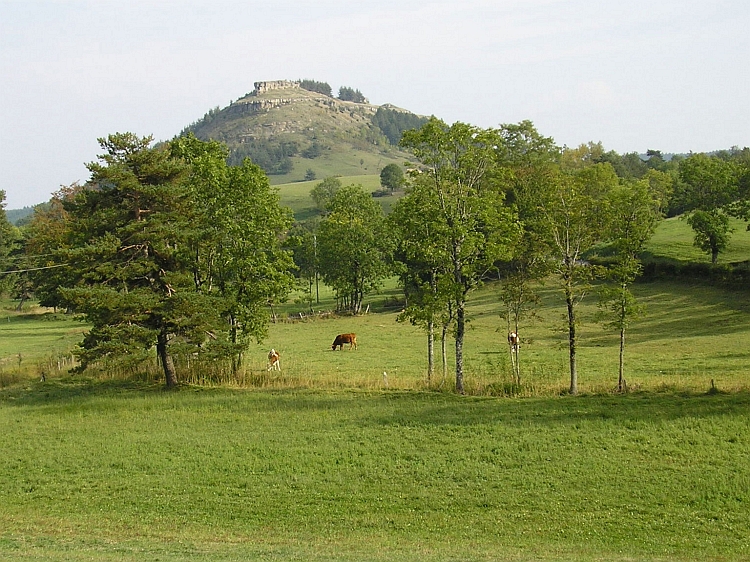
(33, 269)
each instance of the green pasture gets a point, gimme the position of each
(689, 336)
(342, 160)
(34, 341)
(95, 470)
(674, 240)
(296, 195)
(354, 456)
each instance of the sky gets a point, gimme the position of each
(670, 75)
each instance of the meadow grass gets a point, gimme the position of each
(34, 341)
(331, 460)
(690, 336)
(296, 195)
(94, 470)
(673, 239)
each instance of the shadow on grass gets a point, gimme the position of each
(648, 407)
(69, 389)
(405, 408)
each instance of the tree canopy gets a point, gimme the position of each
(473, 227)
(392, 177)
(168, 248)
(354, 246)
(350, 94)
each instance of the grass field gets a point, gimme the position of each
(110, 471)
(331, 460)
(34, 341)
(674, 239)
(296, 195)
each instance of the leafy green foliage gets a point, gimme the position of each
(167, 246)
(9, 243)
(324, 192)
(709, 185)
(314, 86)
(472, 226)
(711, 230)
(393, 123)
(354, 246)
(392, 177)
(350, 94)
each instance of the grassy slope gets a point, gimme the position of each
(674, 239)
(296, 195)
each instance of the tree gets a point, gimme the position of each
(741, 207)
(8, 245)
(522, 151)
(310, 174)
(168, 248)
(634, 213)
(709, 186)
(126, 241)
(235, 244)
(569, 213)
(315, 86)
(302, 242)
(323, 193)
(711, 229)
(392, 177)
(420, 254)
(393, 122)
(354, 246)
(474, 226)
(349, 94)
(45, 237)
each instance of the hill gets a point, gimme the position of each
(294, 133)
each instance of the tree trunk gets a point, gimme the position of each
(621, 380)
(236, 356)
(460, 330)
(572, 342)
(444, 351)
(170, 375)
(430, 350)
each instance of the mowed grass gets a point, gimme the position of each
(112, 471)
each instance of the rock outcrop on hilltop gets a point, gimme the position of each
(263, 87)
(286, 128)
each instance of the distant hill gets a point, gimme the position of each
(17, 216)
(294, 133)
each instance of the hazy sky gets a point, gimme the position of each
(634, 74)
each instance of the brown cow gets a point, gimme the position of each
(273, 360)
(341, 339)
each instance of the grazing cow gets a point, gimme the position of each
(341, 339)
(273, 360)
(513, 341)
